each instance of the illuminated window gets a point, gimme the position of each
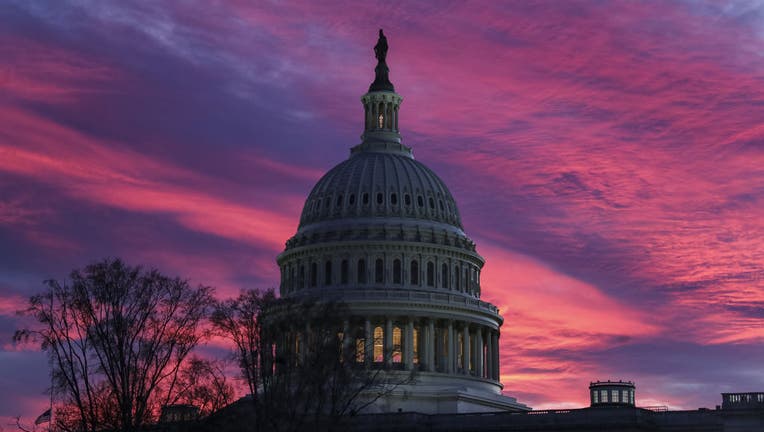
(415, 345)
(631, 397)
(360, 350)
(624, 396)
(603, 396)
(397, 342)
(381, 121)
(378, 344)
(595, 397)
(614, 395)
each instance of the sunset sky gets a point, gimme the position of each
(607, 158)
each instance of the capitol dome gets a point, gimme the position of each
(381, 233)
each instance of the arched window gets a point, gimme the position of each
(339, 200)
(444, 276)
(313, 274)
(397, 271)
(301, 282)
(397, 344)
(432, 203)
(360, 347)
(414, 272)
(393, 199)
(430, 274)
(328, 273)
(420, 201)
(379, 340)
(380, 197)
(344, 272)
(379, 271)
(407, 199)
(365, 198)
(458, 281)
(361, 271)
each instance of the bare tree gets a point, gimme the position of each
(303, 369)
(203, 384)
(117, 337)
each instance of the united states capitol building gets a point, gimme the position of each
(381, 232)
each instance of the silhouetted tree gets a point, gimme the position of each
(117, 337)
(299, 364)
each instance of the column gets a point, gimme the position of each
(430, 346)
(489, 355)
(387, 354)
(450, 345)
(467, 357)
(368, 346)
(408, 340)
(496, 362)
(479, 352)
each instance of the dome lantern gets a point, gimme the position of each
(381, 105)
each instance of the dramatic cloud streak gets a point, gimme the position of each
(607, 159)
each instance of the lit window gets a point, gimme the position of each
(397, 342)
(603, 396)
(381, 121)
(595, 397)
(378, 344)
(614, 395)
(415, 342)
(624, 396)
(360, 350)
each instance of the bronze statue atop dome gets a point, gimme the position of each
(380, 49)
(381, 72)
